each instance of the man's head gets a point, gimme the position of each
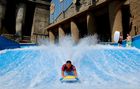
(68, 63)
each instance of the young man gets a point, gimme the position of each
(128, 41)
(68, 69)
(120, 39)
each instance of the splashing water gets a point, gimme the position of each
(98, 66)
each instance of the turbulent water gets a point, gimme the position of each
(98, 66)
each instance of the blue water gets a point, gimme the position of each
(98, 67)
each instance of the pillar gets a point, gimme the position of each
(51, 37)
(74, 31)
(61, 33)
(2, 11)
(19, 19)
(115, 16)
(91, 27)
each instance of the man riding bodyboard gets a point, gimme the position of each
(69, 72)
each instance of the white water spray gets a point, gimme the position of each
(98, 66)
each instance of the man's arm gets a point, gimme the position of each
(75, 73)
(62, 73)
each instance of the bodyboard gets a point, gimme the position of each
(69, 79)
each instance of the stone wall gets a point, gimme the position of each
(41, 20)
(135, 18)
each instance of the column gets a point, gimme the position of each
(61, 33)
(115, 16)
(51, 37)
(91, 27)
(19, 19)
(2, 11)
(74, 31)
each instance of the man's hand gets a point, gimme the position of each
(63, 76)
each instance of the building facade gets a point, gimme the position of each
(54, 19)
(22, 20)
(102, 17)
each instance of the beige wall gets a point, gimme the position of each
(40, 21)
(135, 19)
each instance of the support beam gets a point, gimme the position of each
(74, 31)
(1, 16)
(115, 17)
(20, 19)
(51, 37)
(61, 33)
(2, 13)
(91, 27)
